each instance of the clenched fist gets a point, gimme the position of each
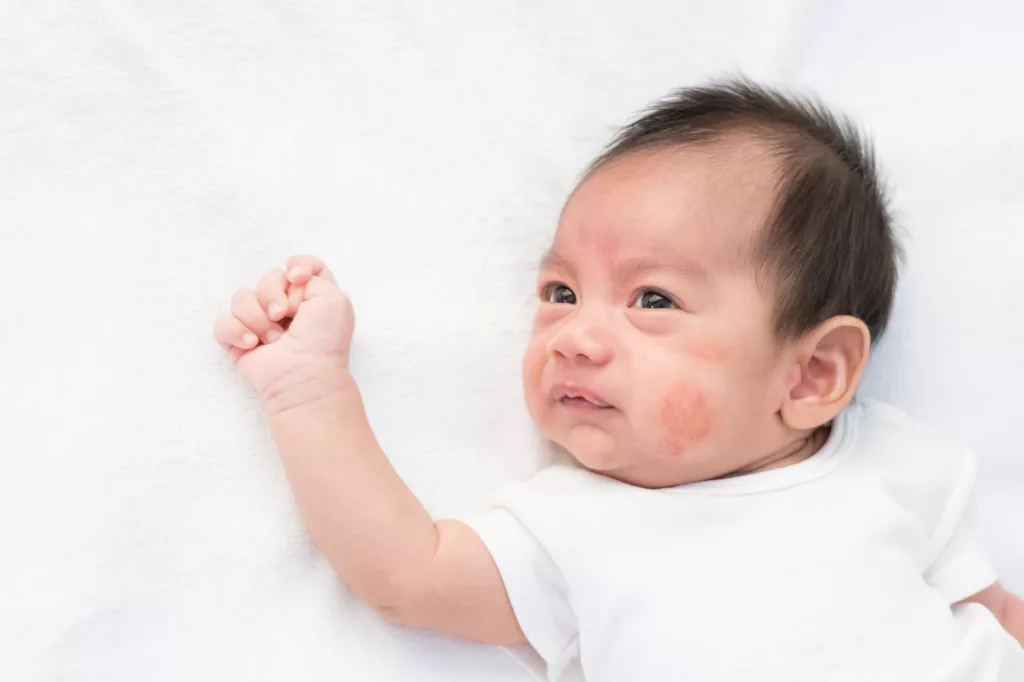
(296, 325)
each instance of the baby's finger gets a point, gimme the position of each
(245, 305)
(231, 334)
(303, 267)
(296, 295)
(272, 292)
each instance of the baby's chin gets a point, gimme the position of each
(592, 447)
(597, 451)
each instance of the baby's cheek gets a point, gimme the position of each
(533, 368)
(685, 417)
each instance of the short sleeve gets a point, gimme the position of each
(960, 567)
(535, 587)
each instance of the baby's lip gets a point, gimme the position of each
(566, 390)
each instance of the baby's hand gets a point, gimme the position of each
(296, 325)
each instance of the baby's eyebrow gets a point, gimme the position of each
(687, 267)
(553, 259)
(633, 267)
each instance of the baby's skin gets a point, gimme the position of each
(653, 360)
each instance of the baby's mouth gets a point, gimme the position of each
(579, 397)
(583, 404)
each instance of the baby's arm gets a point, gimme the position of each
(1007, 607)
(290, 339)
(370, 526)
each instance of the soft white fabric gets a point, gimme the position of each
(841, 567)
(156, 155)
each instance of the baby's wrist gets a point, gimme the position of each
(317, 382)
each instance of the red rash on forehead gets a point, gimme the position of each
(609, 250)
(606, 246)
(685, 416)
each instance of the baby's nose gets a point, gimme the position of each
(582, 340)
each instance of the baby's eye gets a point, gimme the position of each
(653, 299)
(558, 293)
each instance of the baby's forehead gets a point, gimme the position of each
(710, 200)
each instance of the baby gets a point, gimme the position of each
(732, 512)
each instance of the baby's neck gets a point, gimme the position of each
(792, 453)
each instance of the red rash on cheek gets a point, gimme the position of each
(685, 416)
(710, 352)
(532, 369)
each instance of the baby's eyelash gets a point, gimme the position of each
(662, 300)
(664, 297)
(549, 288)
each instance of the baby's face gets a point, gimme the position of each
(649, 304)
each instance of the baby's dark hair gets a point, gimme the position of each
(828, 247)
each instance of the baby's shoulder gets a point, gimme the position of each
(563, 496)
(918, 466)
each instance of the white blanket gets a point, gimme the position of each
(154, 156)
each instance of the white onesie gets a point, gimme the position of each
(840, 567)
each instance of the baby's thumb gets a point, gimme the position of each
(318, 287)
(325, 302)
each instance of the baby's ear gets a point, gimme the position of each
(829, 362)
